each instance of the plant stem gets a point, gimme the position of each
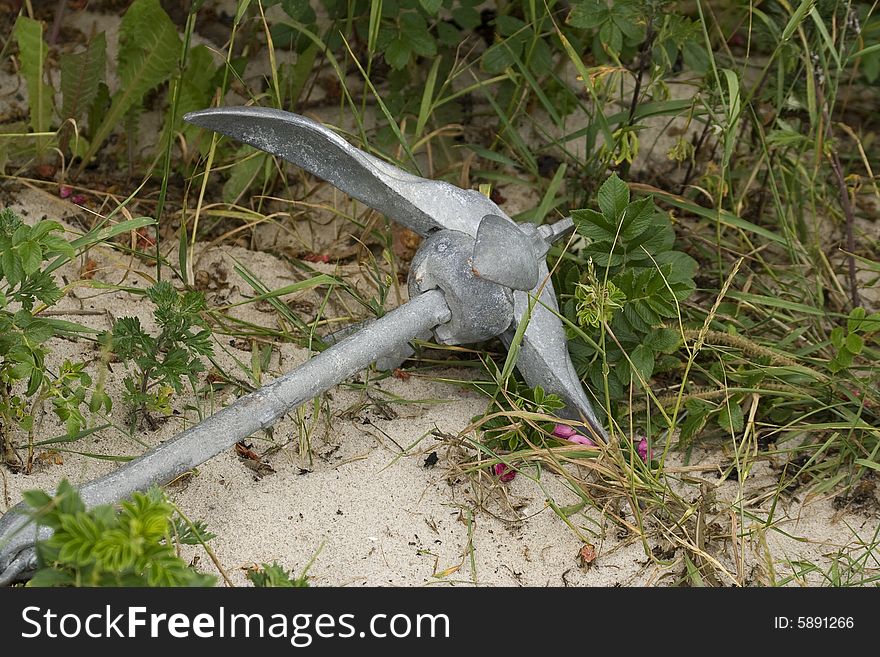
(845, 203)
(644, 63)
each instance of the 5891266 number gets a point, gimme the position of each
(825, 622)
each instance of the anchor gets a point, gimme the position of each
(477, 275)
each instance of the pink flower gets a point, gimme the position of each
(565, 432)
(79, 199)
(64, 191)
(644, 452)
(504, 472)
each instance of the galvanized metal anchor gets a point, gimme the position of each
(476, 276)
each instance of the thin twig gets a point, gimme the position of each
(845, 202)
(56, 23)
(850, 224)
(644, 63)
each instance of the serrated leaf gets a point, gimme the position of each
(34, 383)
(149, 47)
(36, 499)
(610, 37)
(43, 228)
(32, 53)
(698, 414)
(613, 197)
(664, 340)
(423, 45)
(129, 338)
(37, 286)
(431, 6)
(397, 54)
(467, 17)
(448, 34)
(500, 56)
(51, 577)
(508, 25)
(625, 16)
(588, 14)
(12, 269)
(76, 538)
(300, 10)
(731, 417)
(81, 75)
(37, 331)
(57, 245)
(639, 218)
(593, 225)
(31, 256)
(642, 358)
(681, 266)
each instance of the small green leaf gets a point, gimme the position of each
(498, 58)
(840, 362)
(837, 337)
(448, 35)
(12, 269)
(431, 6)
(35, 381)
(731, 417)
(588, 14)
(665, 340)
(397, 54)
(243, 173)
(36, 499)
(854, 343)
(856, 316)
(643, 361)
(54, 244)
(509, 25)
(31, 256)
(613, 197)
(467, 17)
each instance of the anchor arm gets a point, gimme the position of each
(420, 204)
(237, 421)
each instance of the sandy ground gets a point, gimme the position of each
(349, 489)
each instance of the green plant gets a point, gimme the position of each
(619, 26)
(41, 106)
(162, 361)
(148, 51)
(102, 546)
(850, 341)
(503, 429)
(25, 282)
(626, 284)
(273, 575)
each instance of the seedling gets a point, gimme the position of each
(162, 362)
(25, 284)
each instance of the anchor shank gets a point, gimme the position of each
(247, 415)
(262, 408)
